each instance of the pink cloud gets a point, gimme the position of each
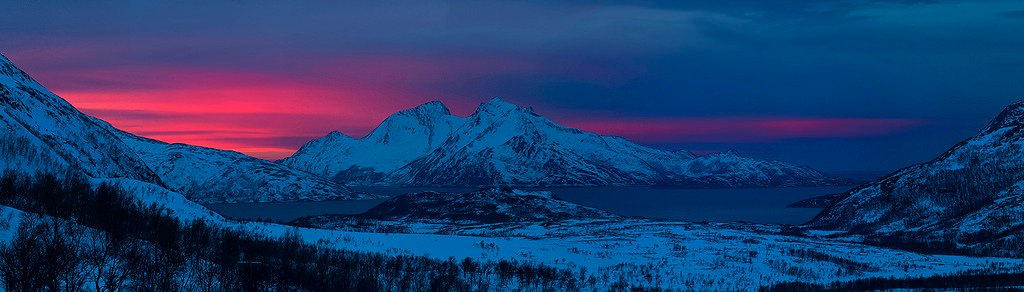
(253, 111)
(742, 129)
(270, 113)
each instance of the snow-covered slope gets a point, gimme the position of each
(401, 138)
(969, 198)
(42, 132)
(504, 144)
(150, 194)
(39, 131)
(730, 170)
(209, 175)
(678, 255)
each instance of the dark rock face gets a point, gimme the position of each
(485, 206)
(817, 202)
(493, 205)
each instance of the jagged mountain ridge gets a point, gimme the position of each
(43, 132)
(399, 139)
(210, 175)
(504, 144)
(970, 198)
(730, 170)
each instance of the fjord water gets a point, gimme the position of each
(759, 205)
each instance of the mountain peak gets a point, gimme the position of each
(9, 69)
(685, 153)
(432, 108)
(496, 105)
(338, 135)
(724, 153)
(1012, 115)
(497, 101)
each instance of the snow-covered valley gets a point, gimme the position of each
(607, 251)
(651, 253)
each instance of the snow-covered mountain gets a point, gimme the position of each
(42, 132)
(208, 175)
(730, 170)
(400, 139)
(971, 198)
(39, 131)
(505, 144)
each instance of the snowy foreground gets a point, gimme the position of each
(730, 256)
(702, 256)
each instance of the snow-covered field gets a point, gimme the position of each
(639, 252)
(683, 255)
(642, 252)
(615, 250)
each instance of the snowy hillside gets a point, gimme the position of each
(175, 203)
(209, 175)
(42, 132)
(604, 253)
(39, 131)
(730, 170)
(682, 255)
(971, 198)
(504, 144)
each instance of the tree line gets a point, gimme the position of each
(77, 235)
(975, 280)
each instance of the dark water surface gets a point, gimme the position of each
(719, 205)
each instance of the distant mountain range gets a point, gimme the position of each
(504, 144)
(43, 133)
(210, 175)
(969, 199)
(499, 144)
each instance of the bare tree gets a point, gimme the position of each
(45, 253)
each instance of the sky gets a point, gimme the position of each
(842, 86)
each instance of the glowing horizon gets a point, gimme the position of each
(235, 129)
(893, 83)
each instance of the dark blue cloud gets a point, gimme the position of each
(1012, 13)
(954, 63)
